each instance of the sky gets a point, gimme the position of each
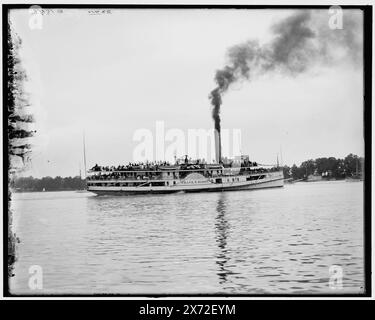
(111, 75)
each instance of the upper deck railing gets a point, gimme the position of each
(179, 170)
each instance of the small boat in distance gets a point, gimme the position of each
(189, 176)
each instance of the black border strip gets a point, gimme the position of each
(367, 11)
(367, 120)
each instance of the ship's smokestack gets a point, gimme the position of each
(217, 146)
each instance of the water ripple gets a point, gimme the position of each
(248, 242)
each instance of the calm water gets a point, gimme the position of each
(243, 242)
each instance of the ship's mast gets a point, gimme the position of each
(281, 156)
(277, 160)
(84, 153)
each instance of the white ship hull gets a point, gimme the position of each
(227, 183)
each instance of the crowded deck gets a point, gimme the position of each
(178, 170)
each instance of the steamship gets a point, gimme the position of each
(184, 176)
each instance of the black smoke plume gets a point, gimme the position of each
(299, 41)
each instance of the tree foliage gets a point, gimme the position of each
(48, 184)
(330, 167)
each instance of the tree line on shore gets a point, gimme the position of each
(330, 167)
(48, 184)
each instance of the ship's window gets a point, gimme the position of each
(174, 182)
(158, 183)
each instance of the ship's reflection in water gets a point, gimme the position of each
(222, 228)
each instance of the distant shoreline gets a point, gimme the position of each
(290, 182)
(33, 191)
(46, 184)
(313, 170)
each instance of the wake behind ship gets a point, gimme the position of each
(188, 176)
